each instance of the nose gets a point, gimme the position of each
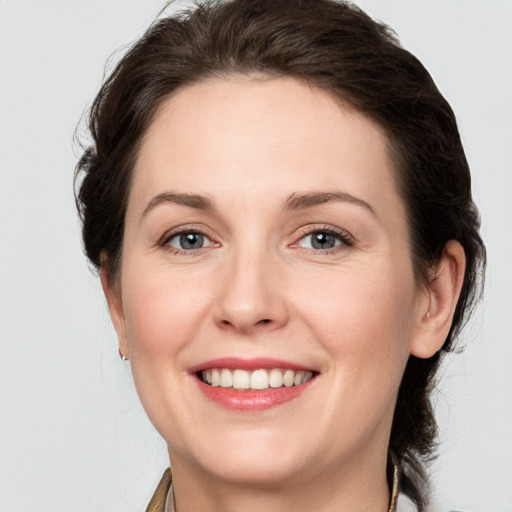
(252, 295)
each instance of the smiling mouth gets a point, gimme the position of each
(256, 380)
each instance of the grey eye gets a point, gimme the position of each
(321, 240)
(188, 241)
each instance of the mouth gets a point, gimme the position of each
(252, 385)
(256, 380)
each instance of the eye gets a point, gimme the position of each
(188, 241)
(320, 240)
(323, 240)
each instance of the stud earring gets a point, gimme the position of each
(428, 315)
(122, 356)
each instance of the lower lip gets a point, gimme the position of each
(233, 399)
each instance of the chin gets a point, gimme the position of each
(261, 458)
(265, 470)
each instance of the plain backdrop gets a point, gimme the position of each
(73, 436)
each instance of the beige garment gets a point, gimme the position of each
(164, 493)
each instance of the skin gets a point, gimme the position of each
(257, 288)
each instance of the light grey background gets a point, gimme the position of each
(72, 433)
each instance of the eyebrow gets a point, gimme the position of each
(296, 201)
(195, 201)
(305, 200)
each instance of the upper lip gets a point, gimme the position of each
(252, 364)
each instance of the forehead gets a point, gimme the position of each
(241, 138)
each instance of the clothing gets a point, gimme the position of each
(158, 501)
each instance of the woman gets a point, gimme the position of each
(280, 208)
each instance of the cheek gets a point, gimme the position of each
(162, 311)
(363, 316)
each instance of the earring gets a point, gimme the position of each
(428, 315)
(122, 356)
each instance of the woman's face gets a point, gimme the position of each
(266, 244)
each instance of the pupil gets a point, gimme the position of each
(191, 241)
(323, 241)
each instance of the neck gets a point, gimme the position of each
(341, 489)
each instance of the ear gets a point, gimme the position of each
(437, 312)
(113, 295)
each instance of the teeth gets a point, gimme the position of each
(257, 380)
(226, 378)
(275, 378)
(298, 378)
(288, 378)
(241, 379)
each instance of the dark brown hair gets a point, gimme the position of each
(334, 46)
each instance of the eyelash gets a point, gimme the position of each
(164, 242)
(342, 236)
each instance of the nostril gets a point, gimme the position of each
(240, 325)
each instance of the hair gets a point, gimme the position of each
(337, 48)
